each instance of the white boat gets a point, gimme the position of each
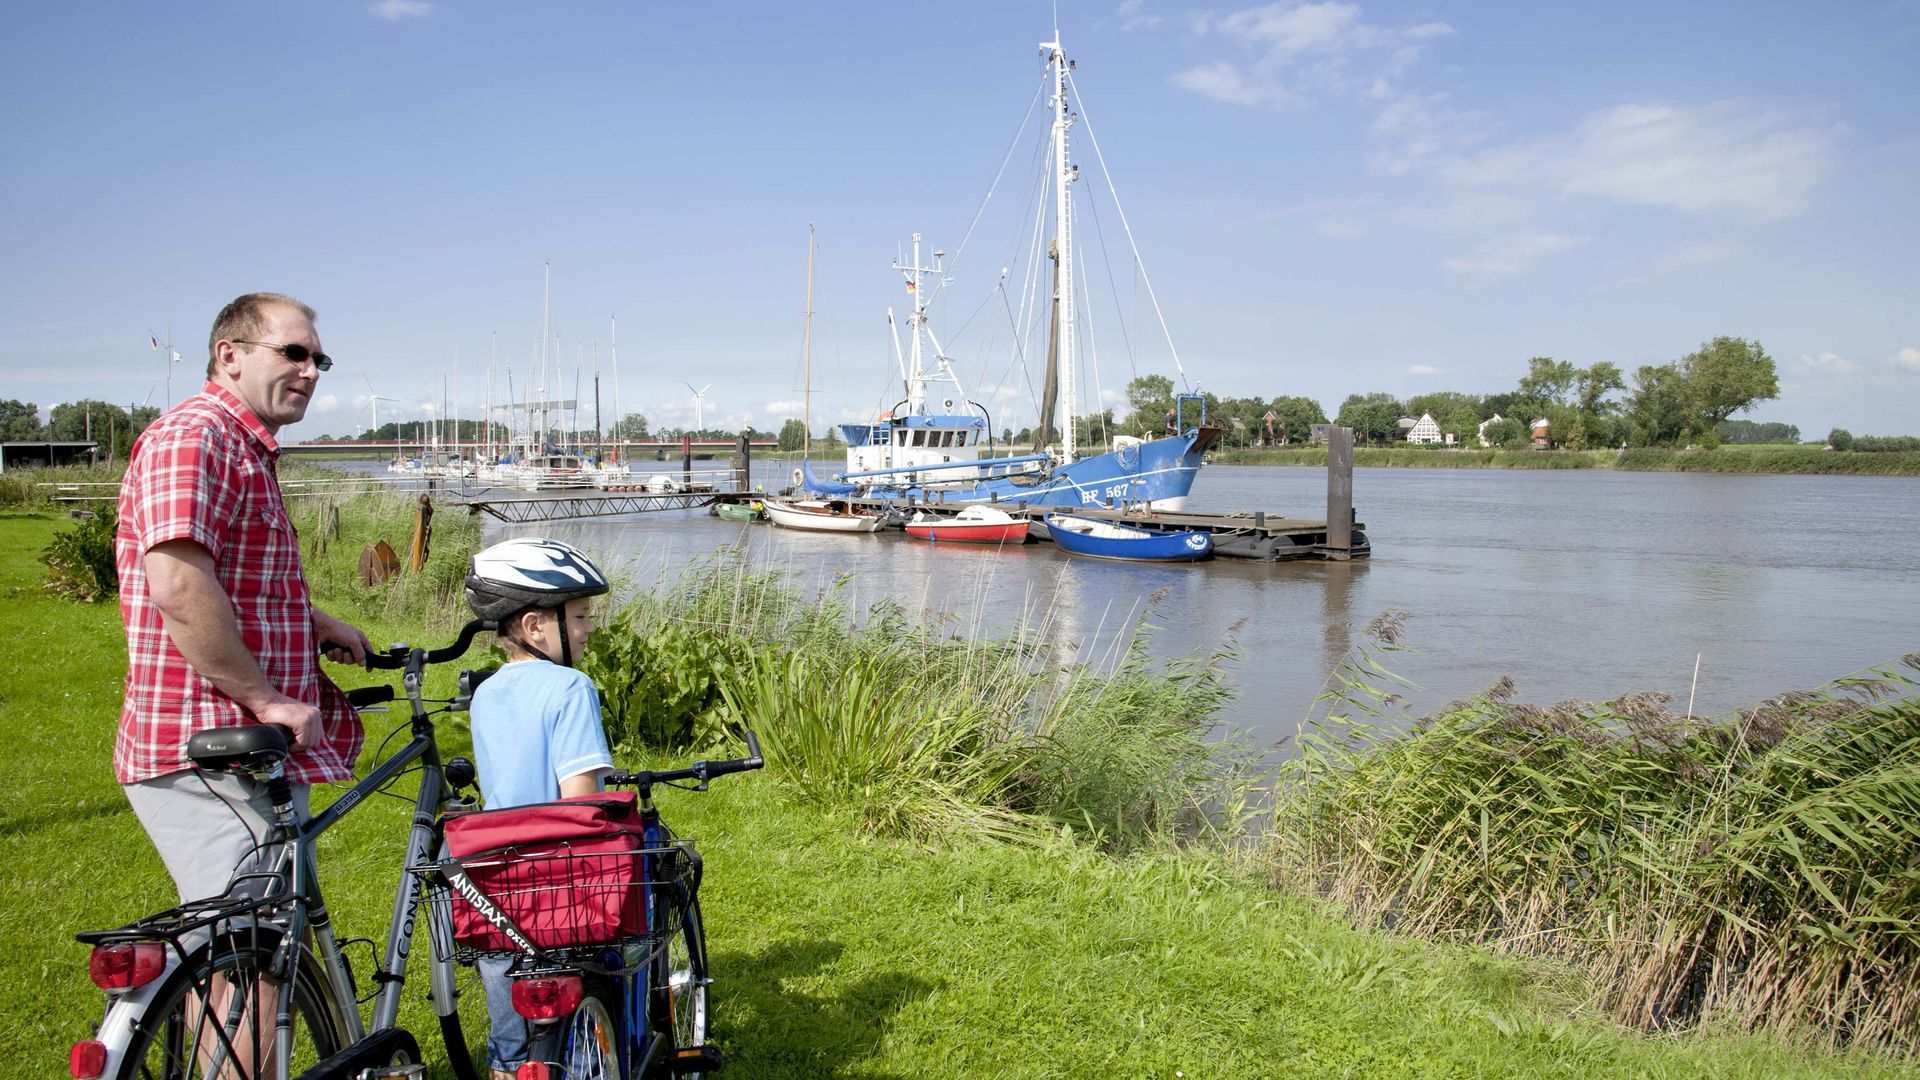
(941, 445)
(824, 515)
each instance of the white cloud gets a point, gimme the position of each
(1724, 155)
(1131, 17)
(400, 9)
(1300, 53)
(1907, 359)
(1224, 82)
(783, 408)
(1511, 254)
(1827, 363)
(325, 402)
(1699, 253)
(1423, 369)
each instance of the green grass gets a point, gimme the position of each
(839, 954)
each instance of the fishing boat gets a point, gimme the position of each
(974, 525)
(737, 511)
(933, 446)
(824, 515)
(1099, 539)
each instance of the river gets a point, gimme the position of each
(1582, 584)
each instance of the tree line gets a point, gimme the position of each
(1689, 401)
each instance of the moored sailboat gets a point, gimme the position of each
(922, 451)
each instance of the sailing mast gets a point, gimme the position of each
(806, 392)
(1063, 235)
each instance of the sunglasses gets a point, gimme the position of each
(295, 354)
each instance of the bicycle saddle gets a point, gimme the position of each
(251, 747)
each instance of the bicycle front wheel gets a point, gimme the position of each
(215, 1015)
(680, 980)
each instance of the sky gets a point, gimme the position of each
(1326, 198)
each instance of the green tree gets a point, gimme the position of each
(1660, 405)
(1548, 380)
(1296, 415)
(1728, 375)
(630, 426)
(793, 434)
(1150, 396)
(1372, 416)
(69, 421)
(19, 421)
(1508, 433)
(1840, 439)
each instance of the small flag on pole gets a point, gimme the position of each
(176, 355)
(153, 341)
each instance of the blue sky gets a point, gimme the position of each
(1329, 198)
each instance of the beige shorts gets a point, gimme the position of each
(208, 826)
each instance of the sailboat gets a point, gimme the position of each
(940, 447)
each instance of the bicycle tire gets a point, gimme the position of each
(680, 1005)
(587, 1045)
(461, 1054)
(164, 1046)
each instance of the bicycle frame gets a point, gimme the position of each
(293, 904)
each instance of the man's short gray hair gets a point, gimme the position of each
(245, 319)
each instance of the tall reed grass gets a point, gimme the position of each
(1759, 870)
(920, 730)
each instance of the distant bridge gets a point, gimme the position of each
(658, 449)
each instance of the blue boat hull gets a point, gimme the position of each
(1145, 546)
(1160, 472)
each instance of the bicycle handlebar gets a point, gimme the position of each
(702, 771)
(396, 656)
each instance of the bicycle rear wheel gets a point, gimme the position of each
(212, 1019)
(587, 1045)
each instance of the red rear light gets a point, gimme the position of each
(533, 1070)
(88, 1060)
(547, 998)
(123, 967)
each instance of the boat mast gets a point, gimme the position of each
(806, 391)
(1063, 235)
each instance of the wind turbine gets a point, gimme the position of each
(699, 406)
(374, 400)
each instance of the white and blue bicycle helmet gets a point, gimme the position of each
(531, 572)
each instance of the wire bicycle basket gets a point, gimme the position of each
(562, 895)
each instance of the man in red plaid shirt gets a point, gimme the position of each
(220, 627)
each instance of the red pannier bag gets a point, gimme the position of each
(566, 872)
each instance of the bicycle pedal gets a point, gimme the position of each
(695, 1059)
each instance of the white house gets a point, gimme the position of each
(1425, 431)
(1487, 423)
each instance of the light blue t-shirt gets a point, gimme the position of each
(535, 724)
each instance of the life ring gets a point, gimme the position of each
(798, 478)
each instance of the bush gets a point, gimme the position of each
(1840, 439)
(1886, 444)
(80, 562)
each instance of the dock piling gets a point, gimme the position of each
(1340, 494)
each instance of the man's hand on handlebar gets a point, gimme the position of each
(341, 642)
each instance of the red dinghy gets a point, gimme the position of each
(974, 525)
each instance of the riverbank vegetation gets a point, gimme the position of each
(1753, 870)
(1809, 460)
(981, 856)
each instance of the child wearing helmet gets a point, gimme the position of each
(537, 734)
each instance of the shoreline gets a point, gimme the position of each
(1760, 460)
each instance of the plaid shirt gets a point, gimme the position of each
(204, 472)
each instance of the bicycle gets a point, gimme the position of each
(611, 962)
(190, 989)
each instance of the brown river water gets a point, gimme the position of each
(1579, 584)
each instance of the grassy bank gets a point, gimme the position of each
(840, 948)
(1725, 459)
